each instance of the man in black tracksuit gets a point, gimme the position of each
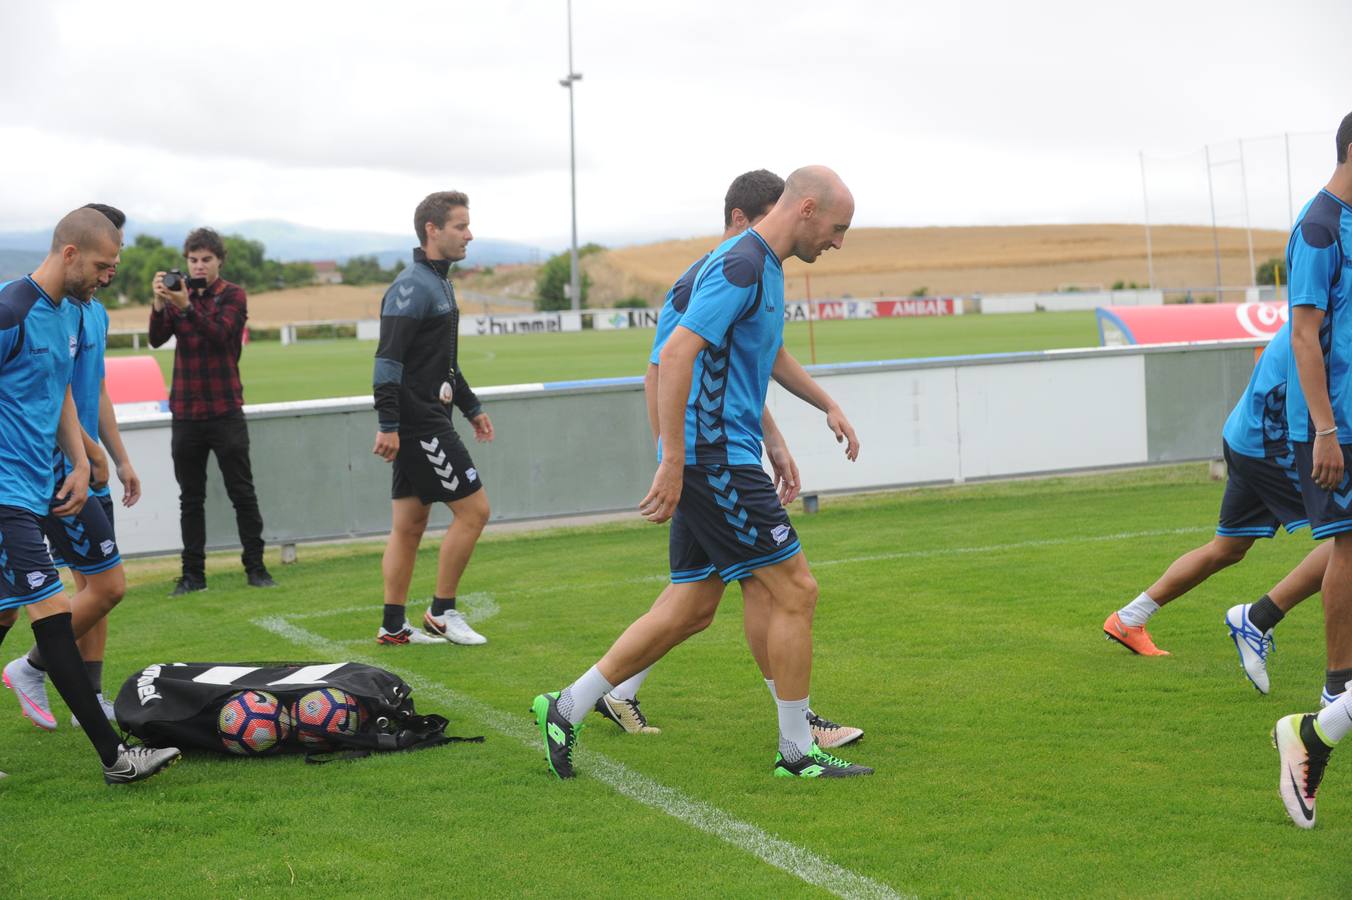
(417, 378)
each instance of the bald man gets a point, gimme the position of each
(727, 520)
(37, 414)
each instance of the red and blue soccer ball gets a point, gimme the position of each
(323, 712)
(253, 722)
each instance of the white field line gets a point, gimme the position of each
(477, 607)
(791, 858)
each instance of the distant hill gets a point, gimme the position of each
(288, 241)
(14, 263)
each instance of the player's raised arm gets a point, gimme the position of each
(791, 376)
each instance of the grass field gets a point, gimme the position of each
(1017, 752)
(317, 369)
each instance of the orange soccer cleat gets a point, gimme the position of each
(1134, 637)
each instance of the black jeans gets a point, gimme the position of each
(228, 437)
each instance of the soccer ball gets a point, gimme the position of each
(326, 711)
(253, 722)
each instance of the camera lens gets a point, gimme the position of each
(173, 280)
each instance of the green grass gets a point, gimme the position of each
(1017, 752)
(311, 370)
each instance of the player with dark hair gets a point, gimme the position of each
(1319, 413)
(727, 520)
(749, 198)
(37, 413)
(417, 378)
(85, 541)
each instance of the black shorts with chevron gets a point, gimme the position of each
(435, 469)
(729, 522)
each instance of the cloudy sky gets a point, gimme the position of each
(946, 112)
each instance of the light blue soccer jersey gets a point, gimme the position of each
(37, 350)
(1320, 275)
(678, 298)
(1257, 424)
(737, 306)
(88, 321)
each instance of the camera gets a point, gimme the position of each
(174, 280)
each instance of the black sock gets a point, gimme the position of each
(35, 659)
(66, 670)
(1310, 738)
(441, 604)
(94, 671)
(1265, 614)
(394, 617)
(1335, 681)
(4, 630)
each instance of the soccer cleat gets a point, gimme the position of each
(107, 712)
(625, 714)
(1302, 766)
(1325, 698)
(1253, 645)
(452, 626)
(260, 578)
(817, 764)
(139, 763)
(1134, 637)
(829, 735)
(188, 584)
(405, 635)
(560, 735)
(30, 686)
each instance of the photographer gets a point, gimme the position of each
(206, 314)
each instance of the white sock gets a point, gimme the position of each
(770, 683)
(795, 737)
(1138, 611)
(628, 690)
(1335, 720)
(576, 700)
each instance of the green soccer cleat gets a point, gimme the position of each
(817, 764)
(560, 735)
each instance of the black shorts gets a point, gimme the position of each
(435, 469)
(1260, 494)
(85, 541)
(729, 521)
(1330, 512)
(26, 571)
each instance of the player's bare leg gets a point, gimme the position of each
(408, 522)
(442, 619)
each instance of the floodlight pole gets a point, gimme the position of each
(574, 282)
(1149, 251)
(1215, 239)
(1248, 227)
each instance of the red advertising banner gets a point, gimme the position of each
(915, 306)
(1119, 325)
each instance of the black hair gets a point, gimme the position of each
(753, 193)
(1344, 138)
(112, 213)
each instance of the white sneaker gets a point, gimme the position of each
(452, 626)
(405, 635)
(30, 686)
(139, 763)
(1253, 645)
(107, 713)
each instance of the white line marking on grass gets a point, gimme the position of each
(477, 607)
(797, 861)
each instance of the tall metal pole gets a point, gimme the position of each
(574, 282)
(1248, 228)
(1290, 199)
(1215, 240)
(1149, 252)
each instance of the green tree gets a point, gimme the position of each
(555, 274)
(1270, 271)
(140, 261)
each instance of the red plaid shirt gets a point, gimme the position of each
(206, 358)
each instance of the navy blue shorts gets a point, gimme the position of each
(1330, 512)
(26, 571)
(1260, 494)
(729, 521)
(435, 469)
(85, 541)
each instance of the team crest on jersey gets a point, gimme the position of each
(37, 579)
(472, 474)
(74, 346)
(780, 533)
(107, 547)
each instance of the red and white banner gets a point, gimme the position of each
(1119, 325)
(876, 308)
(918, 306)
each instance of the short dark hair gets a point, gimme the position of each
(753, 193)
(1344, 138)
(435, 209)
(204, 239)
(113, 214)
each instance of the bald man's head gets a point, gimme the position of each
(85, 249)
(85, 229)
(823, 207)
